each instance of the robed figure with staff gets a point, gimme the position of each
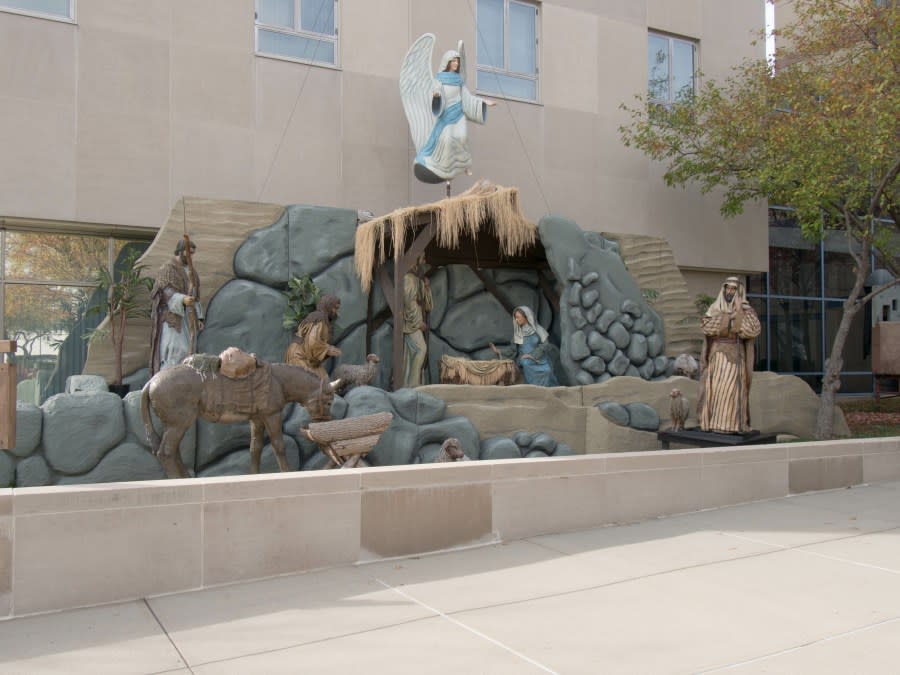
(176, 315)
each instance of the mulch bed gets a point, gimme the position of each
(863, 418)
(873, 423)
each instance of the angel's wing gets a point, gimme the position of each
(461, 48)
(416, 87)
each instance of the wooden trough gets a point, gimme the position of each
(457, 370)
(346, 442)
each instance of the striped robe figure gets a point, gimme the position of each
(730, 329)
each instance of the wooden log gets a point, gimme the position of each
(7, 396)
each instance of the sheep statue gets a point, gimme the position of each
(353, 375)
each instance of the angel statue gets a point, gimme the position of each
(437, 108)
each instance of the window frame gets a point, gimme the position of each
(536, 77)
(113, 234)
(670, 41)
(70, 18)
(298, 32)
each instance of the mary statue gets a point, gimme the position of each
(437, 108)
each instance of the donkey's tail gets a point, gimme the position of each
(152, 437)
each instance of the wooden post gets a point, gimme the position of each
(397, 309)
(7, 396)
(403, 262)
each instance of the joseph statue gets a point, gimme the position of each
(176, 314)
(417, 302)
(311, 344)
(730, 328)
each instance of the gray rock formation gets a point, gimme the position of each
(614, 412)
(642, 417)
(33, 472)
(76, 383)
(128, 461)
(79, 429)
(29, 424)
(7, 470)
(248, 315)
(272, 254)
(238, 463)
(599, 289)
(500, 447)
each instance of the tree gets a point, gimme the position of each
(34, 311)
(818, 131)
(126, 290)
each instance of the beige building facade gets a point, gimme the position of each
(114, 109)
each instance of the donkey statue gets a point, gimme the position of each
(180, 394)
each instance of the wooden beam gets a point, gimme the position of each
(7, 396)
(387, 286)
(417, 248)
(397, 311)
(492, 288)
(379, 319)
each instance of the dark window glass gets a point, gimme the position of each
(796, 330)
(782, 218)
(839, 264)
(839, 274)
(793, 264)
(762, 346)
(756, 283)
(860, 384)
(855, 354)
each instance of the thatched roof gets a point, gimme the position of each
(484, 204)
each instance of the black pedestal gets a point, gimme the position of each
(711, 439)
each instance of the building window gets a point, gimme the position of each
(671, 68)
(48, 9)
(300, 30)
(507, 49)
(800, 302)
(47, 290)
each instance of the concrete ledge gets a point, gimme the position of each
(65, 547)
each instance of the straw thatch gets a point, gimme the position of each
(455, 217)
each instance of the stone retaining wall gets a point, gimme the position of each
(76, 546)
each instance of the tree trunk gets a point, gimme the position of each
(118, 339)
(831, 380)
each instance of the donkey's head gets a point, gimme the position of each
(319, 403)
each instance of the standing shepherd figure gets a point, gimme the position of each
(311, 344)
(176, 315)
(726, 363)
(417, 302)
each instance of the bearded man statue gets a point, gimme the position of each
(311, 344)
(730, 328)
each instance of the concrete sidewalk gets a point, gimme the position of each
(805, 584)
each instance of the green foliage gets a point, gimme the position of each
(302, 296)
(819, 134)
(124, 289)
(650, 295)
(702, 301)
(817, 131)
